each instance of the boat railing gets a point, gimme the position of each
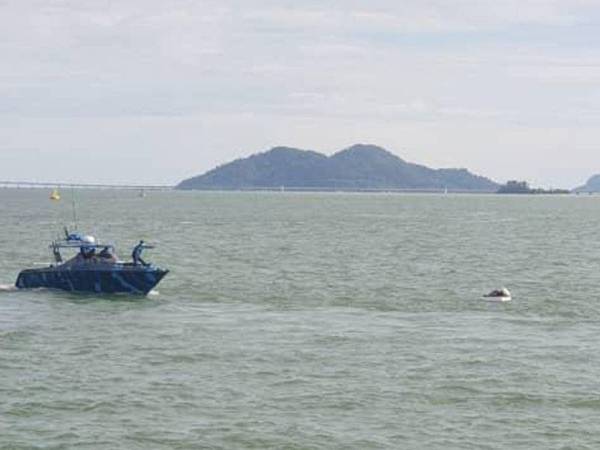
(74, 244)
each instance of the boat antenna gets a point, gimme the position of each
(74, 208)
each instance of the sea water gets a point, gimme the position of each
(308, 321)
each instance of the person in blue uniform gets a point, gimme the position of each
(107, 255)
(87, 252)
(137, 254)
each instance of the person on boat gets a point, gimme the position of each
(137, 254)
(56, 253)
(87, 252)
(105, 253)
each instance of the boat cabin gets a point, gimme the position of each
(87, 252)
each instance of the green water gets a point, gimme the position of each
(309, 321)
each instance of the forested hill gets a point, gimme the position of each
(355, 168)
(592, 185)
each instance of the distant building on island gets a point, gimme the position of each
(522, 187)
(515, 187)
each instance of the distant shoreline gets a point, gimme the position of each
(99, 187)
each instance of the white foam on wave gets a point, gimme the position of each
(497, 299)
(153, 293)
(7, 288)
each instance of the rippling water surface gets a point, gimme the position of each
(309, 321)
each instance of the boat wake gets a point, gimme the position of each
(8, 288)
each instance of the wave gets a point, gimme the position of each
(7, 288)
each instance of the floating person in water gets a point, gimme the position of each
(137, 254)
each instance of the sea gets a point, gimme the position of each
(307, 321)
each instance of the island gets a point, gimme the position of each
(591, 187)
(360, 167)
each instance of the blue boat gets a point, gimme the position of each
(95, 268)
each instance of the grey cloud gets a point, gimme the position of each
(351, 66)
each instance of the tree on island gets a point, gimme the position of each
(522, 187)
(515, 187)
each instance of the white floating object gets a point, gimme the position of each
(8, 288)
(498, 295)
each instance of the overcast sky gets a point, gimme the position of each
(153, 91)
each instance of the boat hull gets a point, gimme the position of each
(120, 278)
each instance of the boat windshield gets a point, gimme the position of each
(86, 251)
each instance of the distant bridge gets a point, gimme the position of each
(50, 185)
(59, 185)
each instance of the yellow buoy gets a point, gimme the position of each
(55, 195)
